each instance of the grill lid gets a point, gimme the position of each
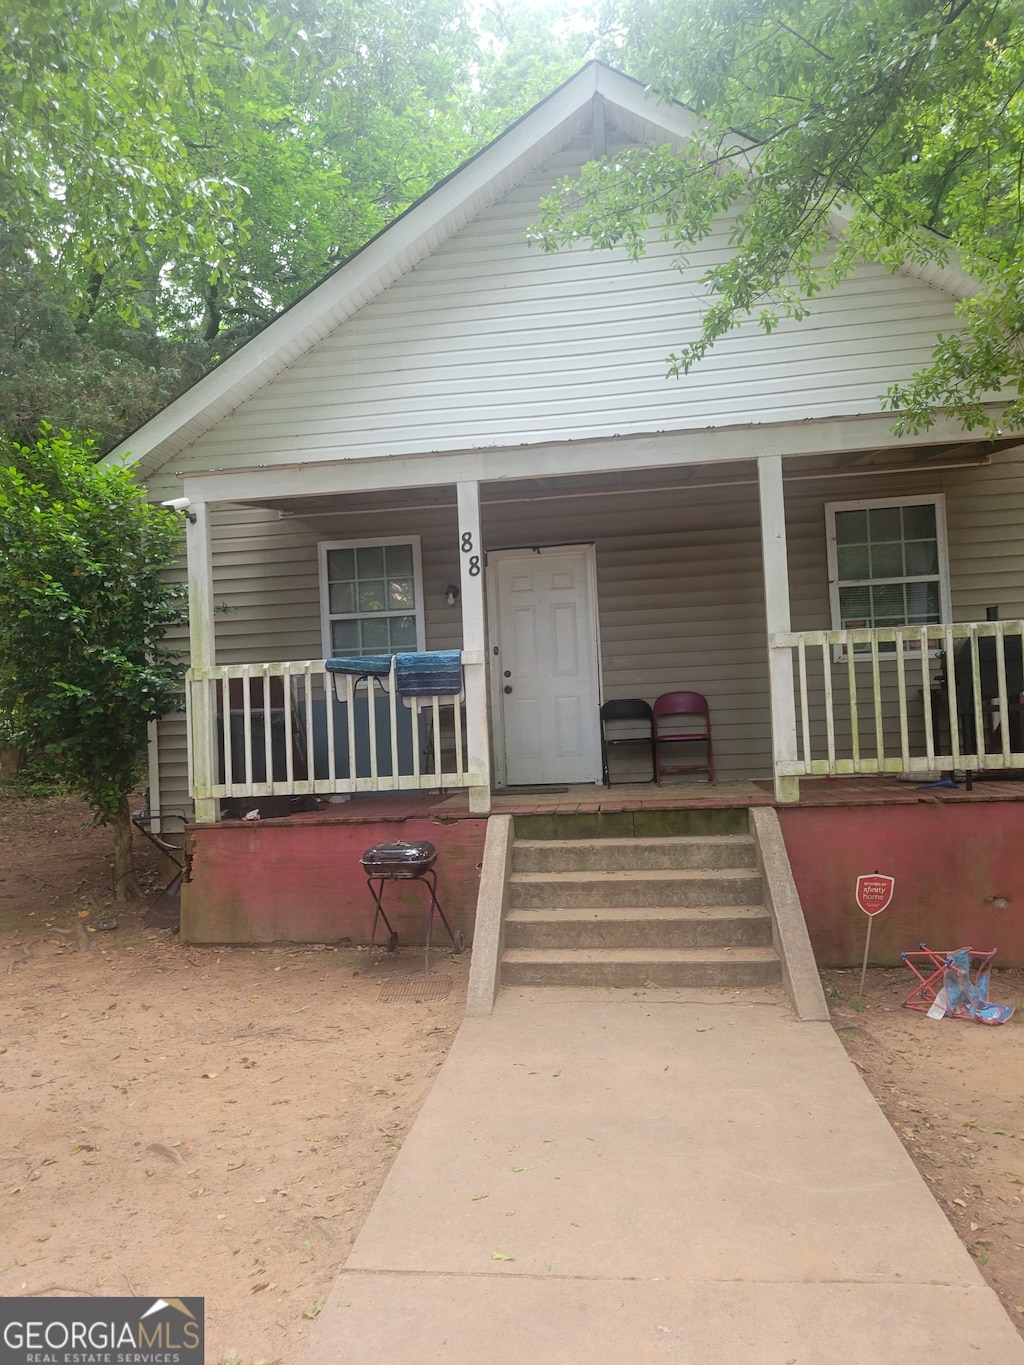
(399, 859)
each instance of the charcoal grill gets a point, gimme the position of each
(398, 861)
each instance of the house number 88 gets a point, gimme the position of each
(467, 549)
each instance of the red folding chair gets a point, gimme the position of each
(683, 718)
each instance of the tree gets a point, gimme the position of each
(204, 163)
(529, 48)
(100, 376)
(901, 120)
(85, 604)
(175, 172)
(226, 147)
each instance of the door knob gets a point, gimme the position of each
(507, 688)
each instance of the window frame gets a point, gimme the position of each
(935, 500)
(370, 542)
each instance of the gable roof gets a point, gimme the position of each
(579, 106)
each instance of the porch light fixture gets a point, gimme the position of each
(181, 505)
(452, 594)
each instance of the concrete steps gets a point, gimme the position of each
(686, 888)
(611, 855)
(666, 911)
(684, 967)
(663, 926)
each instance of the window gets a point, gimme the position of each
(371, 596)
(887, 563)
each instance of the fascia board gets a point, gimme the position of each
(654, 450)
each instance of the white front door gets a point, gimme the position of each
(544, 627)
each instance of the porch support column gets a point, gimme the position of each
(777, 615)
(202, 653)
(474, 645)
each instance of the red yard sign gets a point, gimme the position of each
(874, 892)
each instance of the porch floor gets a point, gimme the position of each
(588, 798)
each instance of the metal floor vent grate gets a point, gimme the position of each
(416, 989)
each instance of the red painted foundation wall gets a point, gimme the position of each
(955, 864)
(278, 881)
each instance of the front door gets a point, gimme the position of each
(544, 627)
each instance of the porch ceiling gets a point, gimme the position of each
(874, 460)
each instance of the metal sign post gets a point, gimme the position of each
(874, 892)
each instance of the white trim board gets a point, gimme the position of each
(605, 455)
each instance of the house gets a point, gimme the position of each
(457, 442)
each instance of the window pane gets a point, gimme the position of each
(341, 564)
(922, 556)
(855, 607)
(919, 522)
(403, 633)
(345, 637)
(371, 595)
(853, 561)
(889, 606)
(851, 528)
(399, 560)
(342, 597)
(375, 635)
(370, 561)
(401, 594)
(887, 561)
(885, 524)
(922, 603)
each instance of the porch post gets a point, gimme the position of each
(474, 644)
(777, 616)
(202, 653)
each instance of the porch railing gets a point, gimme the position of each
(293, 729)
(914, 699)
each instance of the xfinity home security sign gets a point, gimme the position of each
(101, 1331)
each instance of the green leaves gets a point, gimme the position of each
(85, 610)
(173, 175)
(907, 122)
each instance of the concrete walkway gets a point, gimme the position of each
(610, 1177)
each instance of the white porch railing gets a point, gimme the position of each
(321, 734)
(914, 699)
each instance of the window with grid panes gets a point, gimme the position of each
(887, 564)
(371, 594)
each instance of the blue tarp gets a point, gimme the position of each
(967, 998)
(361, 665)
(434, 673)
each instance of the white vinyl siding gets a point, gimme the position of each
(491, 342)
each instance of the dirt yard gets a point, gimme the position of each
(190, 1121)
(185, 1121)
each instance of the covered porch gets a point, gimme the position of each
(675, 562)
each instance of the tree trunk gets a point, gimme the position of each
(211, 297)
(126, 888)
